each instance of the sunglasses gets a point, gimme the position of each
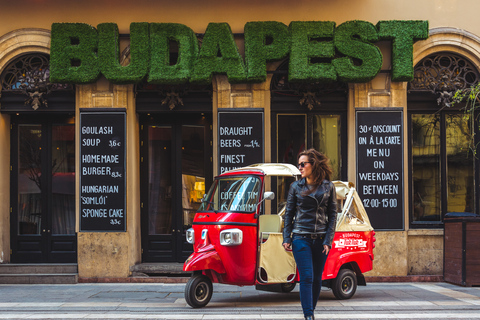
(302, 164)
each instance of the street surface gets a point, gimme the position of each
(166, 301)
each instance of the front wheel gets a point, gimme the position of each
(198, 291)
(345, 284)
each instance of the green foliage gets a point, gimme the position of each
(304, 47)
(218, 55)
(258, 51)
(403, 34)
(161, 72)
(73, 56)
(353, 39)
(109, 53)
(472, 103)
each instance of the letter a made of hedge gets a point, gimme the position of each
(218, 55)
(258, 52)
(305, 47)
(353, 39)
(73, 56)
(109, 53)
(161, 72)
(403, 34)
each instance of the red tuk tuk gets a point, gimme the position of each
(238, 240)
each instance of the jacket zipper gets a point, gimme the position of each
(316, 211)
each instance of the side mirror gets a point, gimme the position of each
(269, 195)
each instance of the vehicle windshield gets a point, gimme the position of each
(236, 193)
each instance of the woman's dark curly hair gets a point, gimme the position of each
(321, 169)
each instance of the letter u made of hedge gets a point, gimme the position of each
(109, 53)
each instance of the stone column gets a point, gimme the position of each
(111, 254)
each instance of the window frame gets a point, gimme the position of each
(426, 103)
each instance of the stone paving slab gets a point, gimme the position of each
(166, 301)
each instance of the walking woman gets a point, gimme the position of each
(310, 220)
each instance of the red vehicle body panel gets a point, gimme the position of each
(350, 247)
(238, 263)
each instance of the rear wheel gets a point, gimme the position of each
(198, 291)
(288, 287)
(345, 284)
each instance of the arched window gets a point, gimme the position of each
(442, 166)
(27, 79)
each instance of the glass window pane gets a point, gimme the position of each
(29, 179)
(426, 167)
(63, 179)
(460, 164)
(291, 140)
(159, 180)
(239, 194)
(193, 171)
(327, 139)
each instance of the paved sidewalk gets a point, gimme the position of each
(166, 301)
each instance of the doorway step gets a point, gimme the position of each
(58, 273)
(159, 270)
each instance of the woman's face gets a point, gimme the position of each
(307, 169)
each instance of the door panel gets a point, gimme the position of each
(174, 170)
(193, 181)
(62, 242)
(43, 192)
(160, 177)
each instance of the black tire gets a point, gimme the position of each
(345, 284)
(198, 291)
(288, 287)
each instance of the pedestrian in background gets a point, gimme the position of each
(310, 220)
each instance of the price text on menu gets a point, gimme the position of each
(379, 143)
(240, 139)
(102, 171)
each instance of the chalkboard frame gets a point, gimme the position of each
(104, 111)
(384, 112)
(252, 111)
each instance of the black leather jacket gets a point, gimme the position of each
(315, 213)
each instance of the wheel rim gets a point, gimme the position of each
(347, 285)
(201, 292)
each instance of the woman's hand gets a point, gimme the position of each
(287, 246)
(326, 249)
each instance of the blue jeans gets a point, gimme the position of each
(310, 262)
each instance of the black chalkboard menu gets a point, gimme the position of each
(102, 170)
(379, 143)
(240, 138)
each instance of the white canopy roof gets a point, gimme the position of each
(272, 169)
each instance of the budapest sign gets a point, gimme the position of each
(317, 51)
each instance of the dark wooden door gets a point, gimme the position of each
(176, 162)
(43, 190)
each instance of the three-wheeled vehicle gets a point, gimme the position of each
(237, 239)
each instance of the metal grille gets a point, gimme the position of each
(445, 72)
(30, 75)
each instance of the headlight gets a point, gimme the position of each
(231, 237)
(190, 236)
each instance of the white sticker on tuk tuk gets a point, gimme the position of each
(204, 234)
(350, 240)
